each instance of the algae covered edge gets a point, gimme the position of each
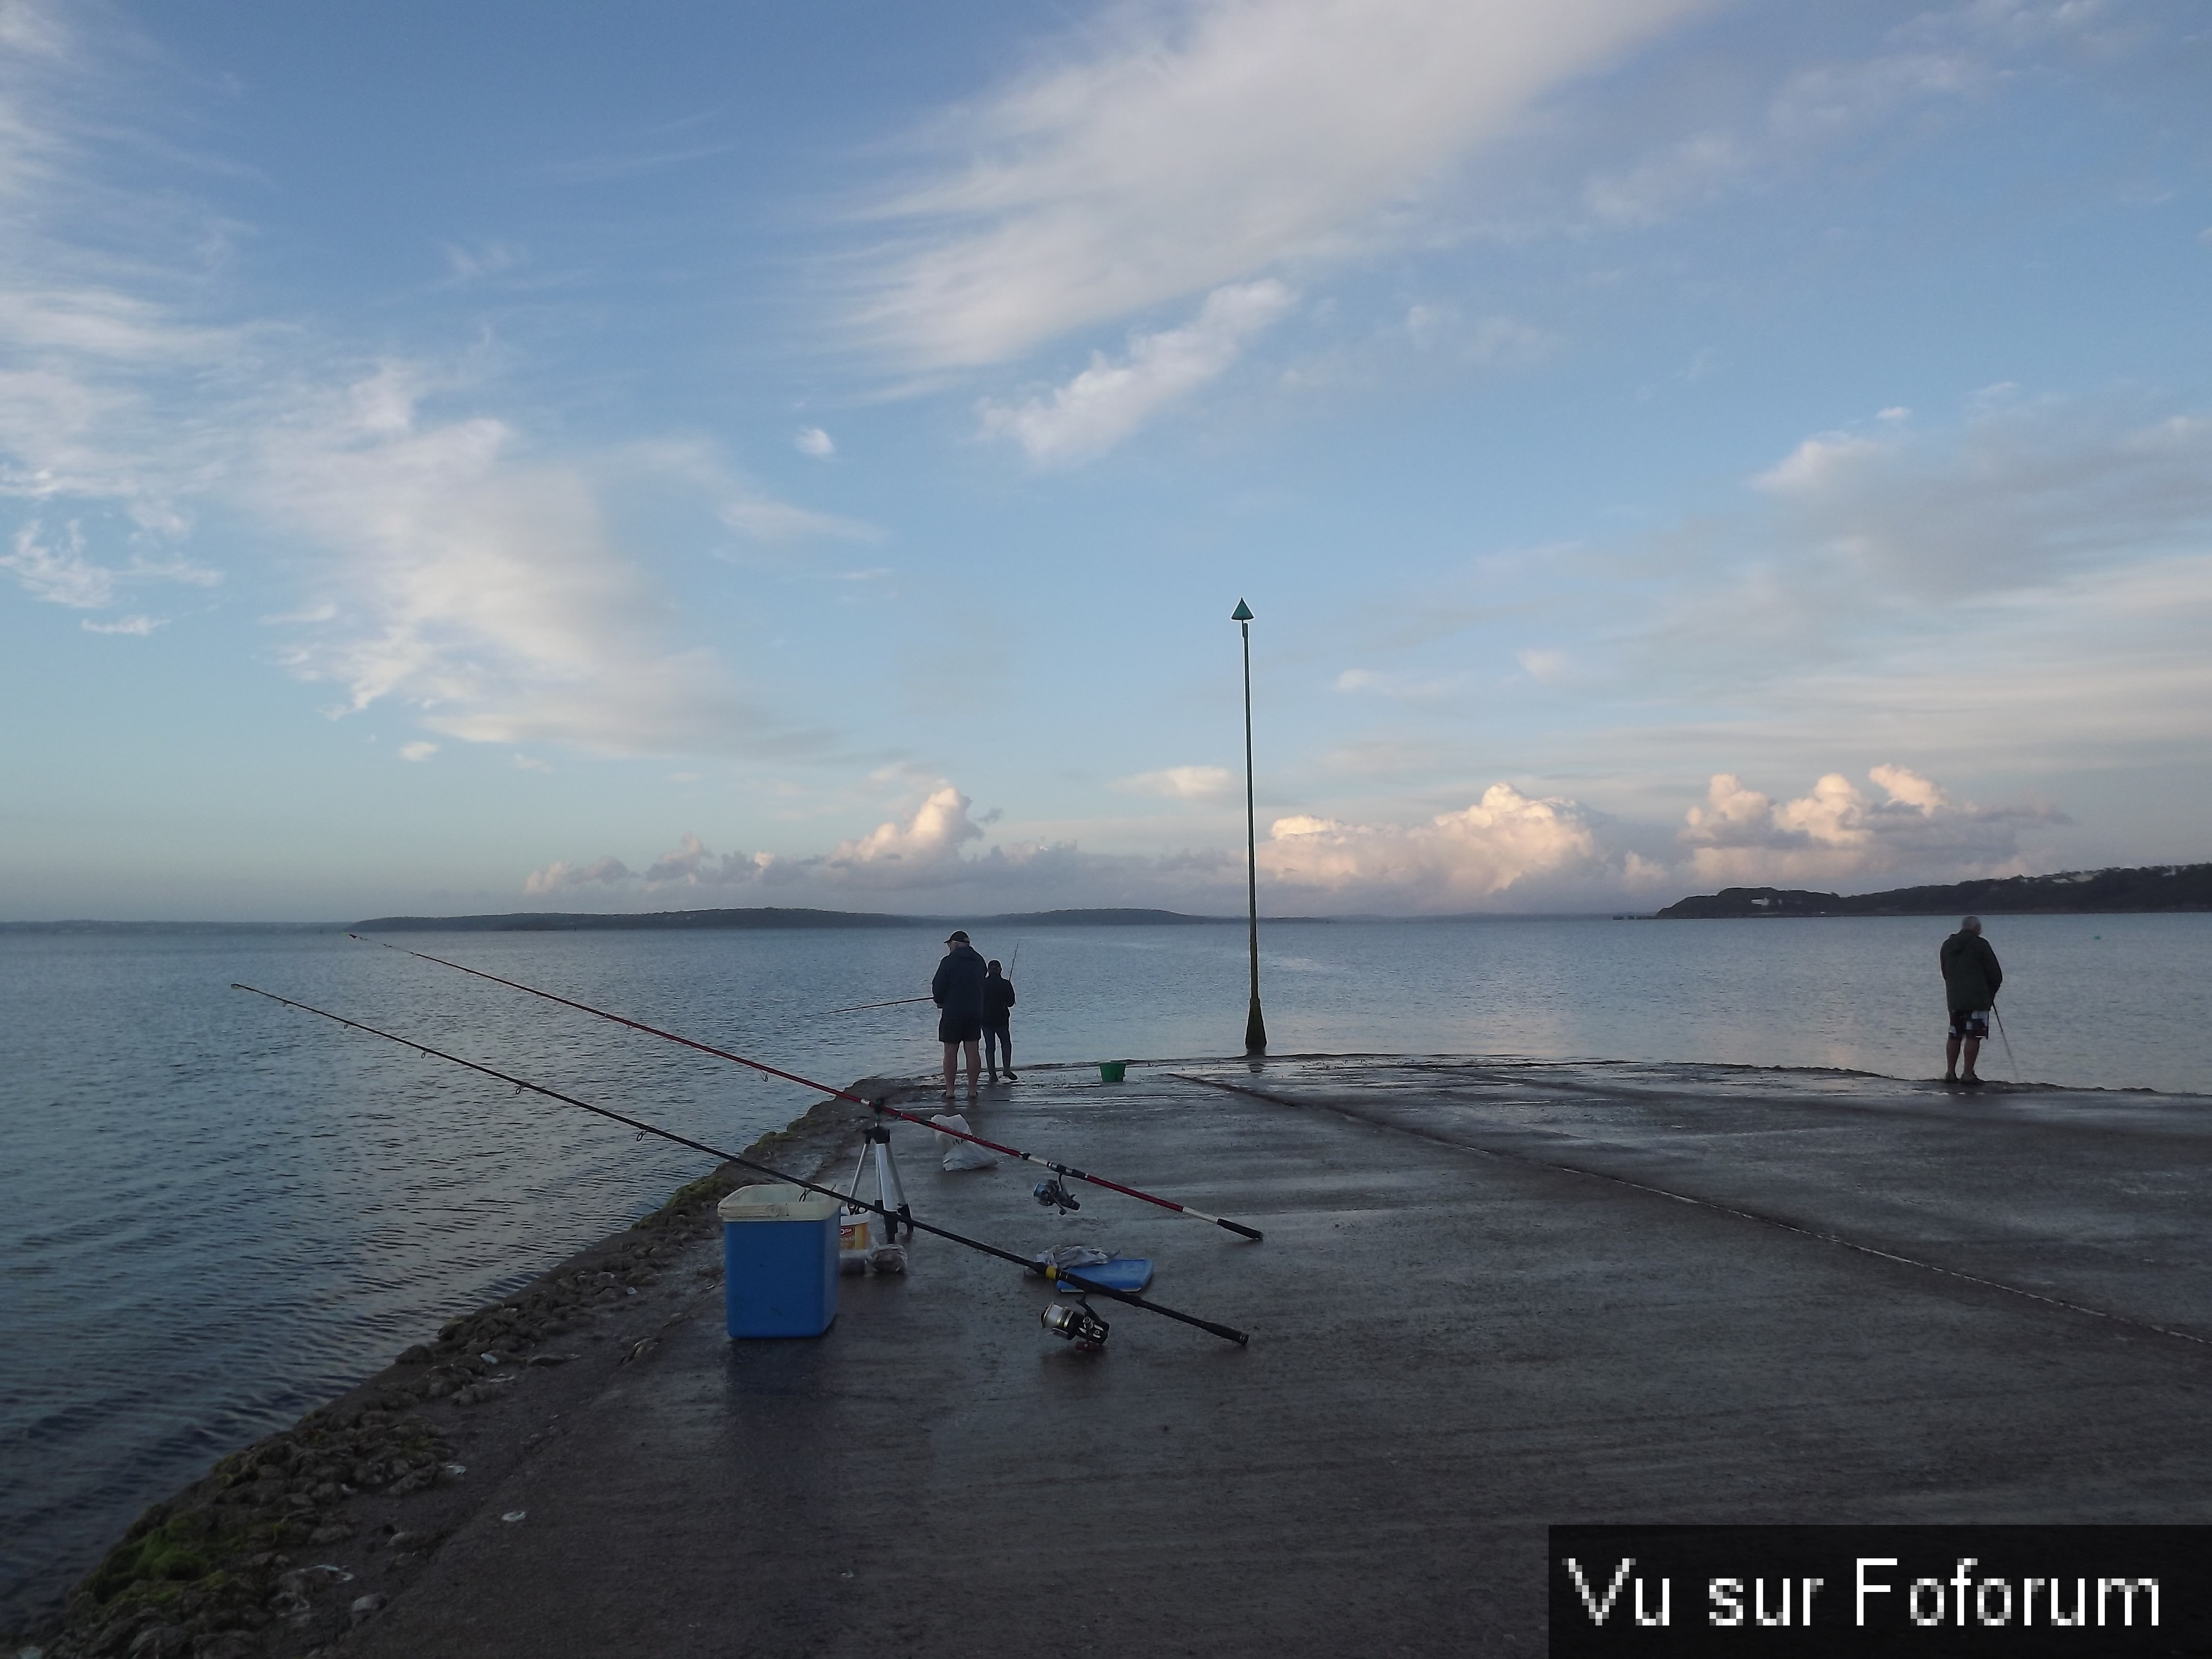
(286, 1544)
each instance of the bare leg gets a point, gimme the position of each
(1974, 1047)
(1950, 1063)
(974, 1067)
(951, 1050)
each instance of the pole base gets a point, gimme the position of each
(1256, 1030)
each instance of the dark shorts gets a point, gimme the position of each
(1970, 1022)
(953, 1028)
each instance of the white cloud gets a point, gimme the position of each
(1456, 859)
(814, 441)
(562, 877)
(2021, 492)
(1399, 684)
(59, 576)
(1197, 143)
(931, 839)
(1181, 782)
(417, 751)
(479, 587)
(1493, 341)
(1507, 849)
(138, 626)
(1544, 665)
(473, 264)
(532, 764)
(1741, 837)
(451, 569)
(1107, 401)
(60, 572)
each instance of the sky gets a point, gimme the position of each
(548, 456)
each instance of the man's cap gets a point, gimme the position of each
(956, 937)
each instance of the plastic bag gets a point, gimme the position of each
(1078, 1256)
(963, 1154)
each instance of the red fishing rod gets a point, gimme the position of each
(1072, 1276)
(1237, 1227)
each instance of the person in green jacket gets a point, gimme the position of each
(1971, 978)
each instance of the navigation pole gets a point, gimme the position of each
(1256, 1023)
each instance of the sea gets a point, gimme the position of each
(216, 1211)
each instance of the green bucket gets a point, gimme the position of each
(1110, 1070)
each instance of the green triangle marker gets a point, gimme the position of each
(1241, 613)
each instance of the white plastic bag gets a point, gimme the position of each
(963, 1154)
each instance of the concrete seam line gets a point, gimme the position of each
(1708, 1203)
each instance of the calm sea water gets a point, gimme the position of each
(216, 1212)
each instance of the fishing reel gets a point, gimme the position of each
(1074, 1322)
(1053, 1194)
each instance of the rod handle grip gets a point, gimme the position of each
(1252, 1233)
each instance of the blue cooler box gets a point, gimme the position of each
(779, 1261)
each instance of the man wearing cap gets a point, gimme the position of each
(1971, 978)
(957, 990)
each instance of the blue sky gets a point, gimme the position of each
(549, 456)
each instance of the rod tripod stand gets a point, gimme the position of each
(889, 1193)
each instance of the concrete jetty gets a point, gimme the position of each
(1493, 1296)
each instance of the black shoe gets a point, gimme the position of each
(1011, 1078)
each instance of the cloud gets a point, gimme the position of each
(561, 876)
(1741, 837)
(452, 568)
(60, 573)
(1182, 147)
(814, 441)
(417, 751)
(1508, 849)
(1455, 859)
(1181, 782)
(473, 264)
(481, 588)
(2023, 490)
(1107, 401)
(138, 626)
(738, 504)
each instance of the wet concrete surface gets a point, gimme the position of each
(1493, 1297)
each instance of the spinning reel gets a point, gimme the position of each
(1053, 1194)
(1075, 1323)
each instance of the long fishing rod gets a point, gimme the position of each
(857, 1007)
(1237, 1227)
(1070, 1276)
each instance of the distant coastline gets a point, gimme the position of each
(557, 921)
(2159, 887)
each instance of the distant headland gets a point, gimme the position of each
(2072, 892)
(562, 921)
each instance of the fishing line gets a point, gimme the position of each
(1072, 1277)
(1237, 1227)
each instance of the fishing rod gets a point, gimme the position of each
(2009, 1059)
(857, 1007)
(1043, 1196)
(1063, 1274)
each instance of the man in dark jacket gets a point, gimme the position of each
(998, 1033)
(957, 990)
(1971, 978)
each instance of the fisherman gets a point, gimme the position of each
(1971, 978)
(957, 991)
(998, 1036)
